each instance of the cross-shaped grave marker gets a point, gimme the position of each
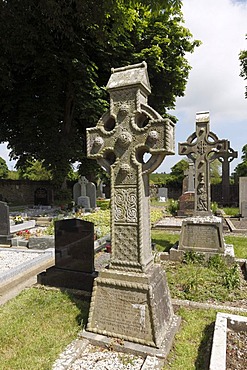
(122, 136)
(225, 158)
(131, 299)
(203, 232)
(202, 147)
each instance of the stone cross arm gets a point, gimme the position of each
(111, 141)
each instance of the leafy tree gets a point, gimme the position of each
(241, 168)
(243, 64)
(3, 169)
(158, 178)
(175, 178)
(215, 169)
(55, 60)
(34, 170)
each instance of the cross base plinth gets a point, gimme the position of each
(202, 235)
(135, 307)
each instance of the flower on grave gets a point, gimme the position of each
(18, 219)
(24, 234)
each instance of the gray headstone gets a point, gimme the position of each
(84, 201)
(100, 190)
(4, 224)
(91, 193)
(76, 192)
(244, 209)
(163, 193)
(83, 182)
(242, 194)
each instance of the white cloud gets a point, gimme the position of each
(214, 83)
(4, 153)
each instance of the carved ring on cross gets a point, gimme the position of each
(135, 133)
(211, 139)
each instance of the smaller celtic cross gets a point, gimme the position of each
(225, 158)
(202, 147)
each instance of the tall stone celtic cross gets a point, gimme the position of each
(225, 158)
(122, 136)
(202, 147)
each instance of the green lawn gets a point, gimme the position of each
(36, 326)
(165, 240)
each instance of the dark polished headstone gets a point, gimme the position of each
(5, 235)
(74, 256)
(74, 245)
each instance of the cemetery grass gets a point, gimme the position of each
(192, 344)
(36, 326)
(198, 280)
(165, 240)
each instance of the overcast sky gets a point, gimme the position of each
(214, 83)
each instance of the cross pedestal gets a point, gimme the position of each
(202, 232)
(131, 299)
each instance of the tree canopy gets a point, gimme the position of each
(55, 62)
(3, 169)
(241, 168)
(243, 64)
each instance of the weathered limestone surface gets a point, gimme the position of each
(202, 232)
(131, 299)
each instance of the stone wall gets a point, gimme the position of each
(216, 194)
(23, 192)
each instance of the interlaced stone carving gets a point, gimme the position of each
(123, 135)
(202, 147)
(131, 299)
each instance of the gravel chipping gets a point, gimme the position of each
(12, 259)
(236, 352)
(85, 356)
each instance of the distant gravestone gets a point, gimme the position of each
(100, 190)
(74, 256)
(5, 236)
(225, 158)
(84, 193)
(162, 194)
(243, 196)
(131, 299)
(41, 197)
(186, 201)
(84, 202)
(202, 232)
(91, 193)
(76, 192)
